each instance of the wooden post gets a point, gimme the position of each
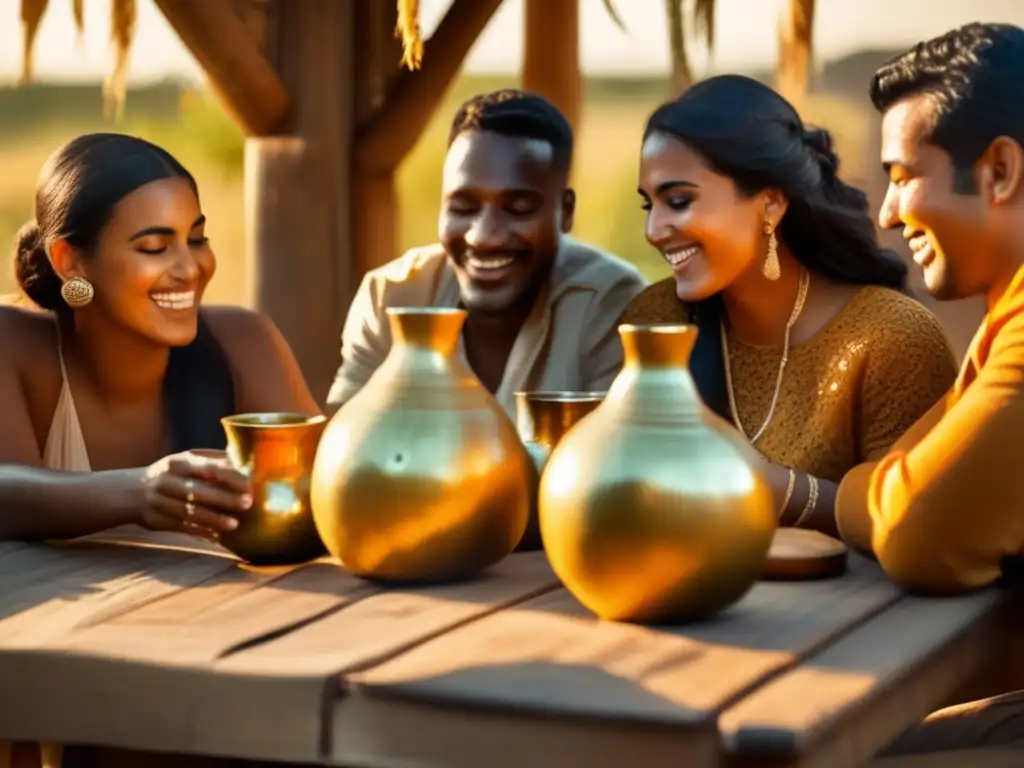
(297, 198)
(551, 54)
(374, 192)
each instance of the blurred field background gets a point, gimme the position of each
(190, 123)
(36, 119)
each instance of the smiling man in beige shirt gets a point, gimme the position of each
(543, 307)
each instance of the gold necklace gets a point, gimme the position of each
(798, 307)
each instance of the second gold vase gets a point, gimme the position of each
(650, 508)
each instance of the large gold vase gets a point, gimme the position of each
(276, 452)
(421, 476)
(650, 509)
(543, 419)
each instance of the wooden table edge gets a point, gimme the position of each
(380, 731)
(897, 703)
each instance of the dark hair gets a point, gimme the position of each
(520, 115)
(78, 188)
(748, 132)
(975, 76)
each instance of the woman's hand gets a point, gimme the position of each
(197, 494)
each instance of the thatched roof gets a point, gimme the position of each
(794, 49)
(794, 54)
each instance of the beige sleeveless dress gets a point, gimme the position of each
(65, 451)
(65, 446)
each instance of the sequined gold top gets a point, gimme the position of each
(848, 392)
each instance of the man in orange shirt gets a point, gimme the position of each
(944, 510)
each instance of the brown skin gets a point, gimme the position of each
(116, 355)
(689, 203)
(500, 198)
(966, 244)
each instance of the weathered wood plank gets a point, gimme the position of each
(406, 734)
(233, 609)
(839, 707)
(10, 546)
(104, 701)
(146, 678)
(377, 628)
(558, 657)
(549, 658)
(390, 622)
(199, 651)
(50, 591)
(975, 758)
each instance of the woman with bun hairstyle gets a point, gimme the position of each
(105, 394)
(808, 342)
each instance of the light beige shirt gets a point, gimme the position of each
(569, 341)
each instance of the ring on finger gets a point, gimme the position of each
(190, 498)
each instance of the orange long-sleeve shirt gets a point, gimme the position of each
(945, 506)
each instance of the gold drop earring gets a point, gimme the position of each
(771, 269)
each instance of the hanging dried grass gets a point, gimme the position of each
(681, 74)
(123, 14)
(408, 28)
(32, 12)
(796, 50)
(78, 10)
(703, 24)
(704, 21)
(610, 9)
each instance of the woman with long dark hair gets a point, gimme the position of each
(808, 343)
(105, 394)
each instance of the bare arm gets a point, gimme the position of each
(38, 503)
(268, 376)
(46, 504)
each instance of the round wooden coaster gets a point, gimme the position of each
(797, 554)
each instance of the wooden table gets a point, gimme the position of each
(175, 647)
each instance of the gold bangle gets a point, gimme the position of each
(812, 500)
(789, 494)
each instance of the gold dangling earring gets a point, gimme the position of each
(772, 270)
(77, 292)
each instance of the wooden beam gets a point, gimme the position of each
(551, 54)
(374, 194)
(378, 50)
(232, 61)
(298, 188)
(375, 217)
(384, 141)
(253, 15)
